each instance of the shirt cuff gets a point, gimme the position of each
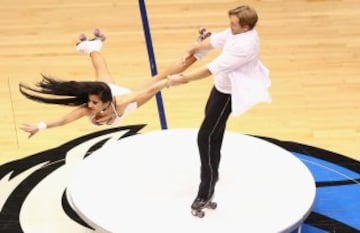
(212, 68)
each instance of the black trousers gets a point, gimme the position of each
(210, 137)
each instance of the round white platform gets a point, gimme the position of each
(148, 182)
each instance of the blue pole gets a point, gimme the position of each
(152, 61)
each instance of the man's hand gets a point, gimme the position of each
(176, 79)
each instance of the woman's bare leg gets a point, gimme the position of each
(102, 72)
(179, 66)
(176, 68)
(160, 81)
(93, 47)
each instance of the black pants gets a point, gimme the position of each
(210, 137)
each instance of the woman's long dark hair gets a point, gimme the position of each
(71, 93)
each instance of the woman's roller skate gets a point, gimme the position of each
(89, 45)
(203, 34)
(201, 203)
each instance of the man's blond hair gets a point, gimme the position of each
(246, 15)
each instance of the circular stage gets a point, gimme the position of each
(148, 182)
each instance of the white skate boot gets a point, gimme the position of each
(203, 34)
(94, 44)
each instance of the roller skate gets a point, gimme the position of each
(203, 34)
(202, 203)
(85, 45)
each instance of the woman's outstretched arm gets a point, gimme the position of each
(70, 117)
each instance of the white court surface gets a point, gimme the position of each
(147, 182)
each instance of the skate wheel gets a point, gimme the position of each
(82, 37)
(206, 35)
(202, 30)
(203, 34)
(213, 205)
(198, 213)
(97, 33)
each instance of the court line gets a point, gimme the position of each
(13, 114)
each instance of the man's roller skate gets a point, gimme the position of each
(201, 203)
(203, 34)
(89, 45)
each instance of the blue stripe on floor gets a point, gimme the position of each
(340, 202)
(326, 171)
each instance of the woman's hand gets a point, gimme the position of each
(30, 128)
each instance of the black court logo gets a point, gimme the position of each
(34, 188)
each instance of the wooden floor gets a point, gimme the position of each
(312, 48)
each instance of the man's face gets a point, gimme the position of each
(235, 25)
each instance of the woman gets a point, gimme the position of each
(101, 100)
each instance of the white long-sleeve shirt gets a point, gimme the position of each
(238, 70)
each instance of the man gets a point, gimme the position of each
(240, 81)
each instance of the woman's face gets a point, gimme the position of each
(95, 104)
